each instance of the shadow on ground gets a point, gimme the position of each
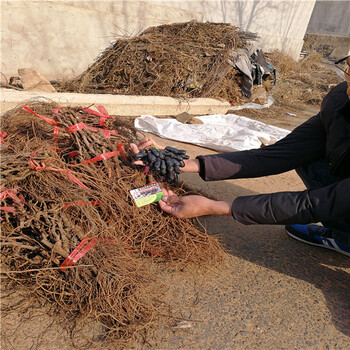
(270, 247)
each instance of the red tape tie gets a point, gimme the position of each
(73, 128)
(120, 147)
(102, 156)
(107, 133)
(73, 154)
(103, 114)
(48, 120)
(79, 126)
(12, 193)
(55, 133)
(10, 209)
(84, 247)
(56, 110)
(3, 134)
(37, 167)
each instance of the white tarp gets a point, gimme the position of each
(221, 132)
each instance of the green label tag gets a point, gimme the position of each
(146, 195)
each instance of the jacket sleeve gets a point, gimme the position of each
(305, 144)
(312, 205)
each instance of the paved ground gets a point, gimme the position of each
(275, 292)
(272, 293)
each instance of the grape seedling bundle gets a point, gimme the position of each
(165, 162)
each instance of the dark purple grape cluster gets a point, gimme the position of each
(165, 162)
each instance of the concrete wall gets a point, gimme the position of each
(60, 39)
(280, 23)
(329, 29)
(333, 46)
(330, 17)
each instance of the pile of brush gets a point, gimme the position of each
(70, 229)
(185, 60)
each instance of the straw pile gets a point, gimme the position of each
(57, 193)
(179, 60)
(306, 81)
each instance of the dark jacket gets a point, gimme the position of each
(326, 135)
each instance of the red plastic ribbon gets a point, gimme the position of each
(37, 167)
(73, 154)
(103, 114)
(56, 110)
(35, 152)
(55, 133)
(120, 147)
(107, 133)
(74, 128)
(3, 134)
(10, 209)
(102, 156)
(86, 245)
(91, 111)
(48, 120)
(83, 247)
(79, 126)
(12, 193)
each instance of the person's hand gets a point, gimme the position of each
(184, 207)
(144, 143)
(192, 206)
(191, 165)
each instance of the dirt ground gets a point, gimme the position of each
(272, 292)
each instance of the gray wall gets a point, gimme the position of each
(281, 24)
(330, 17)
(60, 39)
